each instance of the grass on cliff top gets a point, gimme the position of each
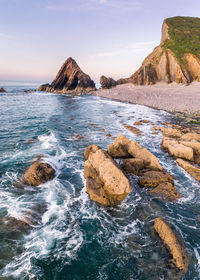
(184, 35)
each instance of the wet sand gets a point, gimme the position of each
(171, 98)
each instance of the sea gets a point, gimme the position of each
(73, 238)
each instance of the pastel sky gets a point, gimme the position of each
(110, 37)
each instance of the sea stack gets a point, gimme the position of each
(70, 79)
(176, 59)
(2, 90)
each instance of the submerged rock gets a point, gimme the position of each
(167, 190)
(171, 241)
(13, 224)
(70, 79)
(2, 90)
(107, 83)
(38, 173)
(106, 184)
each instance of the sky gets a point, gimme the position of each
(105, 37)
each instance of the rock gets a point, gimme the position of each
(133, 129)
(108, 135)
(181, 151)
(71, 79)
(2, 90)
(106, 184)
(193, 144)
(90, 149)
(191, 137)
(152, 179)
(190, 168)
(167, 190)
(171, 241)
(78, 137)
(166, 142)
(150, 161)
(144, 121)
(44, 87)
(138, 123)
(133, 165)
(107, 83)
(123, 147)
(13, 224)
(38, 173)
(168, 132)
(119, 149)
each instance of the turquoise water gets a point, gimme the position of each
(72, 237)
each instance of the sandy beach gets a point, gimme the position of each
(171, 98)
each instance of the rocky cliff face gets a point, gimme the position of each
(176, 59)
(70, 79)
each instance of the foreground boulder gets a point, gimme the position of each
(2, 90)
(106, 184)
(179, 255)
(70, 79)
(38, 173)
(107, 83)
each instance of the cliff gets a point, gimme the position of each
(176, 59)
(70, 79)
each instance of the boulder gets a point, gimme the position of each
(107, 83)
(119, 149)
(191, 137)
(133, 165)
(168, 131)
(43, 87)
(106, 184)
(71, 79)
(166, 142)
(171, 241)
(38, 173)
(150, 161)
(193, 170)
(152, 179)
(181, 151)
(167, 190)
(2, 90)
(193, 144)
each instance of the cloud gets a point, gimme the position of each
(130, 49)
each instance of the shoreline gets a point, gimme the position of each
(179, 100)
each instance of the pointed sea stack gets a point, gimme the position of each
(176, 59)
(70, 79)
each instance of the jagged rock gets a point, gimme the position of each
(38, 173)
(190, 168)
(133, 165)
(119, 148)
(152, 179)
(171, 241)
(165, 64)
(90, 149)
(71, 78)
(167, 190)
(106, 184)
(2, 90)
(44, 87)
(107, 83)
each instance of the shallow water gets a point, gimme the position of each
(72, 237)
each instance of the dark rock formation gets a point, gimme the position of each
(107, 83)
(38, 173)
(70, 79)
(176, 59)
(2, 90)
(44, 87)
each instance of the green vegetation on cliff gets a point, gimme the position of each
(184, 33)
